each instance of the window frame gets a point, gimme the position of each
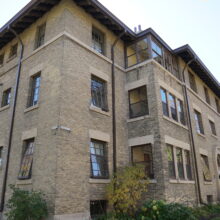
(6, 97)
(102, 209)
(205, 161)
(167, 114)
(217, 105)
(40, 36)
(32, 89)
(13, 51)
(174, 108)
(101, 35)
(188, 164)
(192, 82)
(172, 162)
(181, 112)
(29, 145)
(104, 158)
(180, 165)
(212, 127)
(199, 122)
(145, 101)
(207, 97)
(1, 156)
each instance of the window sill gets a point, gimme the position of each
(102, 181)
(4, 108)
(24, 182)
(202, 135)
(31, 108)
(215, 136)
(138, 118)
(181, 181)
(98, 110)
(152, 181)
(11, 58)
(208, 183)
(174, 122)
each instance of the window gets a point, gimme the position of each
(40, 36)
(6, 97)
(98, 40)
(207, 98)
(99, 93)
(168, 61)
(13, 51)
(157, 52)
(212, 126)
(192, 82)
(217, 105)
(164, 102)
(218, 161)
(188, 165)
(143, 155)
(171, 164)
(98, 208)
(34, 90)
(173, 110)
(1, 59)
(27, 160)
(205, 168)
(179, 158)
(210, 199)
(99, 159)
(1, 156)
(181, 112)
(175, 67)
(138, 102)
(199, 124)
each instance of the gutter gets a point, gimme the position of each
(4, 187)
(191, 137)
(113, 104)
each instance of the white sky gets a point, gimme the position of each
(178, 22)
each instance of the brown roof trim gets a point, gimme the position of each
(187, 53)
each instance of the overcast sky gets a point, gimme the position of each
(178, 22)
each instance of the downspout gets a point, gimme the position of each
(191, 131)
(11, 120)
(114, 143)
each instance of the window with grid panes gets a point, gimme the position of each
(99, 93)
(173, 109)
(207, 97)
(27, 160)
(199, 124)
(6, 97)
(181, 111)
(99, 159)
(171, 164)
(192, 82)
(40, 35)
(188, 165)
(212, 126)
(98, 40)
(13, 50)
(179, 157)
(205, 168)
(163, 94)
(34, 90)
(157, 52)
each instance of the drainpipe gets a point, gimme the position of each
(11, 120)
(113, 103)
(191, 132)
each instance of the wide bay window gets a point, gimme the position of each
(99, 93)
(142, 155)
(138, 103)
(99, 159)
(205, 168)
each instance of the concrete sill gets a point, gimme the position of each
(98, 110)
(215, 136)
(174, 122)
(11, 58)
(202, 135)
(31, 108)
(4, 108)
(208, 183)
(138, 118)
(102, 181)
(24, 182)
(182, 181)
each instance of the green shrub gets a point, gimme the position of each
(206, 211)
(26, 205)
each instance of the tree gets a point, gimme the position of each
(26, 205)
(126, 189)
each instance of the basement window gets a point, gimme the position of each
(98, 40)
(98, 208)
(40, 35)
(6, 97)
(138, 103)
(142, 155)
(27, 160)
(13, 51)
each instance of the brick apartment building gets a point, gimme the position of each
(81, 95)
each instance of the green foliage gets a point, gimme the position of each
(159, 210)
(207, 210)
(25, 205)
(126, 189)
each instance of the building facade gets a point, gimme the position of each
(81, 95)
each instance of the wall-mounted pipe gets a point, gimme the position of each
(12, 117)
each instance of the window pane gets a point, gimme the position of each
(179, 157)
(138, 102)
(99, 161)
(217, 105)
(164, 102)
(199, 125)
(13, 51)
(192, 82)
(40, 36)
(171, 166)
(205, 166)
(212, 126)
(98, 41)
(97, 208)
(34, 90)
(207, 95)
(1, 156)
(143, 155)
(27, 159)
(181, 112)
(6, 97)
(173, 110)
(188, 165)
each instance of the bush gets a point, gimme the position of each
(206, 211)
(26, 205)
(126, 189)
